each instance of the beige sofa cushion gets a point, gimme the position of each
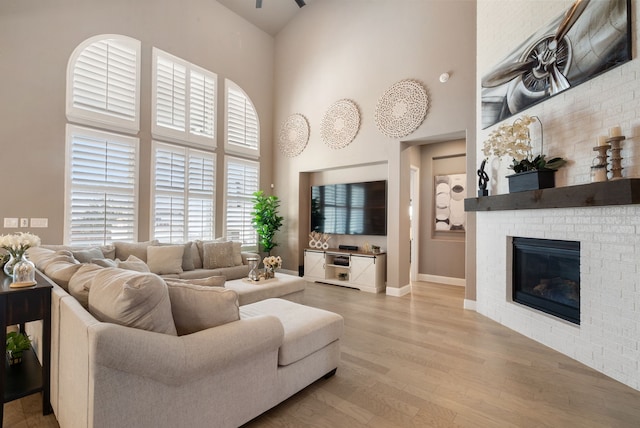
(217, 255)
(138, 249)
(212, 281)
(132, 299)
(80, 283)
(198, 307)
(306, 329)
(61, 267)
(38, 255)
(133, 263)
(165, 259)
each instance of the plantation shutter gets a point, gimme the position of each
(242, 182)
(184, 187)
(103, 82)
(202, 104)
(171, 94)
(242, 120)
(201, 195)
(102, 203)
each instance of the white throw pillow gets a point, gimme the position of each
(165, 259)
(133, 263)
(198, 307)
(132, 299)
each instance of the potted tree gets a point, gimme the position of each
(265, 219)
(17, 343)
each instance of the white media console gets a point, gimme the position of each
(355, 269)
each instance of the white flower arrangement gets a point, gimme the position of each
(514, 140)
(272, 262)
(18, 243)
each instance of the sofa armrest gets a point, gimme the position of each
(179, 360)
(246, 255)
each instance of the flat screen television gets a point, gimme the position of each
(350, 208)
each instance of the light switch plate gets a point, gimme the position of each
(10, 222)
(39, 222)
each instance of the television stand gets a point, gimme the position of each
(354, 269)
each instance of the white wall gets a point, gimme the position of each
(356, 49)
(36, 40)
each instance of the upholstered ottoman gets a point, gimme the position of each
(282, 286)
(306, 329)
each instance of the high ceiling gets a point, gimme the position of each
(272, 17)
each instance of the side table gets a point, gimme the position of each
(19, 306)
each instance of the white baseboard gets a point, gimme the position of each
(398, 292)
(461, 282)
(470, 304)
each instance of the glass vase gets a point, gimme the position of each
(269, 272)
(13, 259)
(24, 271)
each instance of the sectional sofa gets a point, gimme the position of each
(133, 348)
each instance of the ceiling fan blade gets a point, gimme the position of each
(258, 4)
(506, 73)
(570, 18)
(557, 80)
(300, 3)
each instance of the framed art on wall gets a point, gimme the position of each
(590, 38)
(449, 193)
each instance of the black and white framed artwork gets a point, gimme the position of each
(591, 37)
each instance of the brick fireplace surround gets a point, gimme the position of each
(608, 338)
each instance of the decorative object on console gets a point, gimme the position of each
(402, 108)
(319, 240)
(253, 268)
(515, 141)
(591, 38)
(483, 179)
(599, 164)
(615, 140)
(16, 246)
(16, 344)
(340, 124)
(294, 135)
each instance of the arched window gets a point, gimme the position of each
(242, 125)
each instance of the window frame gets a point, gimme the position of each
(166, 133)
(85, 116)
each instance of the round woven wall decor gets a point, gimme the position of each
(402, 108)
(340, 124)
(294, 135)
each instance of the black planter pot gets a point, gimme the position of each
(531, 180)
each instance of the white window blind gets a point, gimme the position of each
(184, 191)
(102, 187)
(243, 128)
(103, 83)
(242, 181)
(184, 100)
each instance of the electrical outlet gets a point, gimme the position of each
(39, 222)
(24, 222)
(10, 222)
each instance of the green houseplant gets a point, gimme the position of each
(265, 219)
(17, 343)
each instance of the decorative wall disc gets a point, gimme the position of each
(340, 124)
(402, 108)
(294, 135)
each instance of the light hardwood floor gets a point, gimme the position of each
(423, 361)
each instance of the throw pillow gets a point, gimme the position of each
(237, 253)
(85, 256)
(138, 249)
(133, 263)
(132, 299)
(217, 255)
(104, 262)
(61, 268)
(80, 283)
(108, 251)
(197, 307)
(212, 281)
(195, 255)
(165, 259)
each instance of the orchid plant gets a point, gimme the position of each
(514, 140)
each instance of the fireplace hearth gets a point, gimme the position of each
(546, 276)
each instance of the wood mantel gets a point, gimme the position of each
(624, 191)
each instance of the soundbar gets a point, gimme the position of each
(348, 247)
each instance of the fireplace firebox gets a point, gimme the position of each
(546, 276)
